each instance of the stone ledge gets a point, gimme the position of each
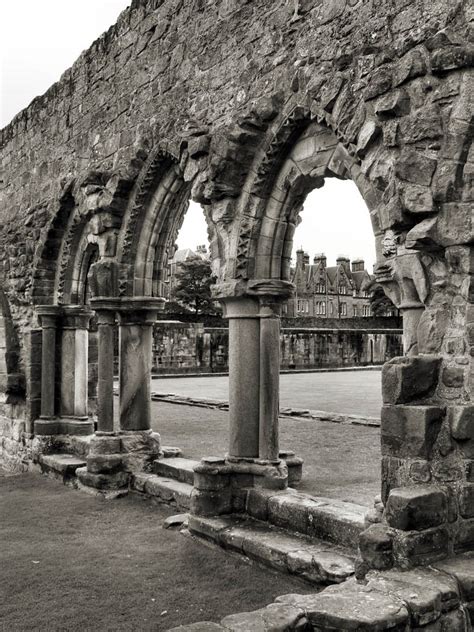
(411, 601)
(177, 468)
(326, 518)
(61, 466)
(316, 561)
(165, 490)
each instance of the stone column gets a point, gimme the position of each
(48, 317)
(243, 314)
(74, 362)
(106, 315)
(269, 379)
(254, 369)
(136, 319)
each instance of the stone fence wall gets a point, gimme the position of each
(192, 347)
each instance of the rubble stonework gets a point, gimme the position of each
(245, 107)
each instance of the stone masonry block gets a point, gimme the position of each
(410, 431)
(211, 503)
(415, 548)
(461, 421)
(416, 508)
(465, 536)
(104, 463)
(408, 379)
(376, 546)
(466, 501)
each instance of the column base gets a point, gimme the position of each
(63, 426)
(221, 485)
(108, 486)
(295, 467)
(139, 449)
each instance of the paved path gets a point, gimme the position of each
(350, 392)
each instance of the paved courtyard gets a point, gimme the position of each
(351, 392)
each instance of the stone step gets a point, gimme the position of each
(61, 466)
(178, 468)
(166, 490)
(328, 519)
(316, 561)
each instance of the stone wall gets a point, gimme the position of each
(191, 347)
(183, 73)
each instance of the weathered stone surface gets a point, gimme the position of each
(461, 568)
(178, 520)
(104, 463)
(410, 431)
(461, 419)
(318, 562)
(423, 603)
(375, 546)
(466, 501)
(177, 468)
(63, 464)
(416, 508)
(276, 617)
(103, 482)
(407, 379)
(338, 608)
(416, 548)
(430, 579)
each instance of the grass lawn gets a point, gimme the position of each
(340, 461)
(72, 562)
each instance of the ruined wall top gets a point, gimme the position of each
(206, 74)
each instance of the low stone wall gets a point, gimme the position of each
(193, 348)
(15, 444)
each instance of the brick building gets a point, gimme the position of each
(340, 291)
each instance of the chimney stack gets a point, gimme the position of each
(320, 259)
(358, 265)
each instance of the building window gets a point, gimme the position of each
(343, 309)
(320, 288)
(323, 308)
(366, 310)
(354, 310)
(331, 309)
(342, 289)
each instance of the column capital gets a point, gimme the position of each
(76, 316)
(48, 315)
(140, 309)
(278, 289)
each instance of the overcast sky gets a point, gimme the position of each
(40, 39)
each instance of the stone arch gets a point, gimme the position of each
(151, 224)
(90, 211)
(12, 379)
(300, 150)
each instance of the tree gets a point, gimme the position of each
(380, 304)
(192, 287)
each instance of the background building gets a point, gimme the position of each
(340, 291)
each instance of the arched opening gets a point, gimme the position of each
(280, 198)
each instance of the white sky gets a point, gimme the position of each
(40, 39)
